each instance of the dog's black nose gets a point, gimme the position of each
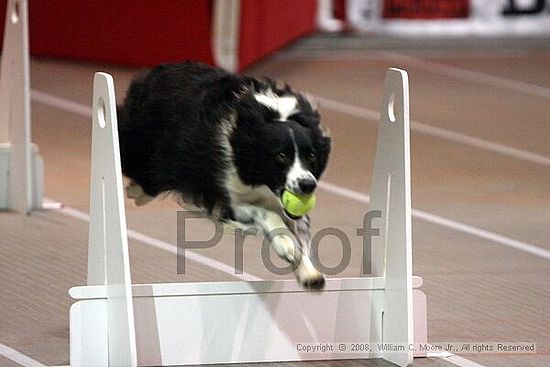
(307, 185)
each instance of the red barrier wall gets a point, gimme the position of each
(267, 25)
(145, 33)
(2, 16)
(140, 33)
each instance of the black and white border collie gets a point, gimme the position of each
(228, 144)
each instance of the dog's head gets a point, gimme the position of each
(278, 140)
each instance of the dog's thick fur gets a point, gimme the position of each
(230, 145)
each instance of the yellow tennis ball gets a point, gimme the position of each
(298, 205)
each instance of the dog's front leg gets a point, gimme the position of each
(290, 240)
(273, 228)
(306, 272)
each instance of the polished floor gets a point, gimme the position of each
(481, 192)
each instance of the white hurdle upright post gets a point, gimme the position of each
(108, 262)
(21, 168)
(225, 33)
(391, 252)
(116, 323)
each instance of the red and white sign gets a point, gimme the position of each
(451, 17)
(426, 9)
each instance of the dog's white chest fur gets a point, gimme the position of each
(256, 195)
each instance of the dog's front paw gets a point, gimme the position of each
(286, 248)
(308, 276)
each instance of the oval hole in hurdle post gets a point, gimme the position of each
(244, 322)
(14, 11)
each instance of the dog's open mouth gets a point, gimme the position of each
(293, 217)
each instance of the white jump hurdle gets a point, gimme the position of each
(116, 323)
(21, 168)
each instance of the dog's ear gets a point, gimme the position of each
(308, 115)
(251, 85)
(325, 133)
(323, 146)
(243, 91)
(307, 118)
(311, 118)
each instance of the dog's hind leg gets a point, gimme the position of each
(135, 192)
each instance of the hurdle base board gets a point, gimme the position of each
(235, 322)
(37, 171)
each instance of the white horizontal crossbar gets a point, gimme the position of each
(239, 287)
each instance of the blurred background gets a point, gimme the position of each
(480, 154)
(237, 33)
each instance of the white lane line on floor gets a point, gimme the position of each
(481, 233)
(345, 108)
(354, 195)
(473, 76)
(420, 127)
(461, 361)
(18, 357)
(371, 54)
(360, 112)
(454, 359)
(447, 223)
(61, 103)
(162, 245)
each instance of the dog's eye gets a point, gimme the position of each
(312, 158)
(282, 157)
